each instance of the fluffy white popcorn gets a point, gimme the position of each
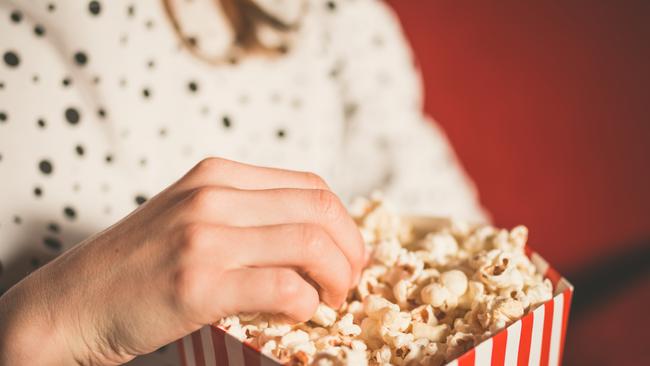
(424, 299)
(383, 355)
(433, 333)
(395, 321)
(438, 296)
(454, 281)
(345, 326)
(439, 247)
(424, 314)
(324, 315)
(387, 251)
(374, 305)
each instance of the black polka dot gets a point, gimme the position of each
(146, 93)
(151, 64)
(51, 7)
(80, 58)
(3, 117)
(94, 7)
(108, 158)
(18, 220)
(72, 115)
(79, 149)
(11, 58)
(35, 78)
(52, 243)
(66, 81)
(281, 133)
(45, 166)
(331, 5)
(193, 86)
(96, 79)
(226, 122)
(39, 30)
(149, 24)
(70, 212)
(162, 132)
(130, 11)
(38, 191)
(101, 112)
(140, 199)
(41, 123)
(53, 227)
(16, 16)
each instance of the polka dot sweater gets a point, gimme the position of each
(101, 107)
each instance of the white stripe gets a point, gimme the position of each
(512, 344)
(484, 353)
(539, 262)
(235, 350)
(556, 331)
(208, 346)
(536, 337)
(189, 351)
(453, 363)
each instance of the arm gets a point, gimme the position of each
(382, 91)
(225, 238)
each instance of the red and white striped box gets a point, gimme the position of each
(535, 339)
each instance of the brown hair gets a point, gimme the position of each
(245, 18)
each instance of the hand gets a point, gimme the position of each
(226, 238)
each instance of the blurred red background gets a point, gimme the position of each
(548, 106)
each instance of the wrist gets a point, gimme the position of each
(28, 334)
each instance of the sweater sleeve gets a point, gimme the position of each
(390, 143)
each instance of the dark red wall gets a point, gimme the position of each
(548, 105)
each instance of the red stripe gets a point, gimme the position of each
(546, 336)
(499, 348)
(251, 356)
(181, 351)
(198, 349)
(219, 344)
(525, 339)
(468, 359)
(565, 318)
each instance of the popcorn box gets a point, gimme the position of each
(535, 339)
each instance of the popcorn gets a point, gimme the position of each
(345, 326)
(434, 333)
(420, 301)
(324, 315)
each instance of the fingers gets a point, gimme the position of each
(268, 290)
(228, 173)
(306, 247)
(234, 207)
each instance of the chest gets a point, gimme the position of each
(167, 109)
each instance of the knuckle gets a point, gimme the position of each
(202, 197)
(314, 180)
(187, 288)
(288, 284)
(327, 204)
(210, 164)
(313, 240)
(193, 238)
